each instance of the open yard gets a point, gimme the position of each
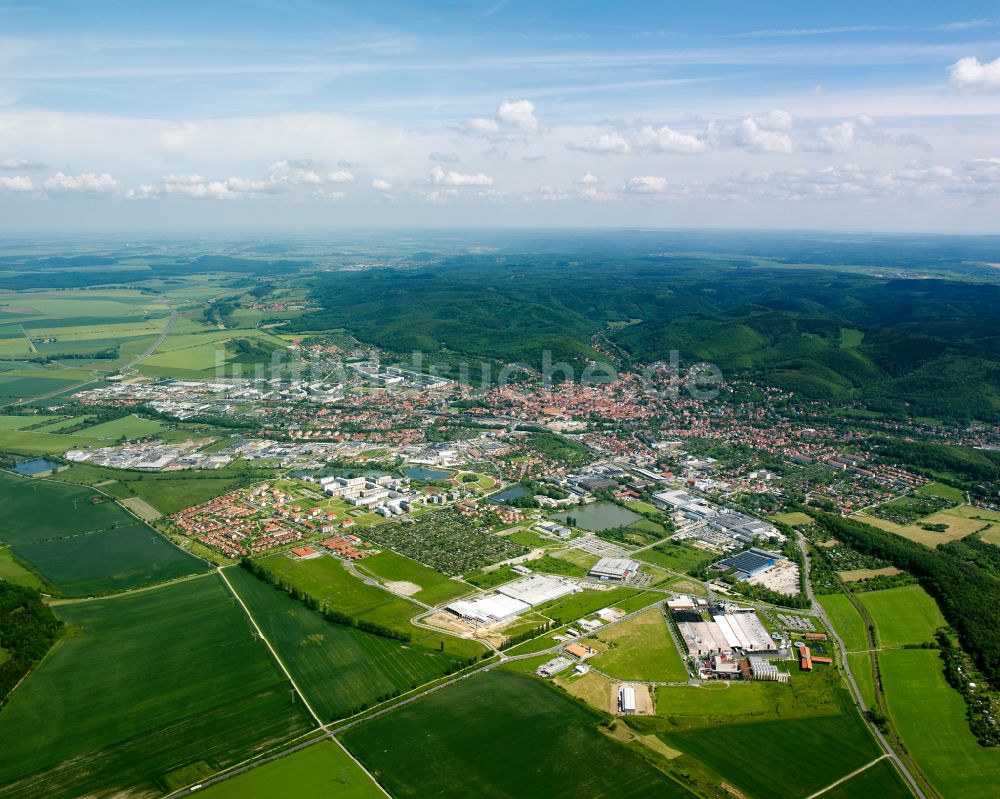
(319, 772)
(341, 670)
(930, 718)
(146, 688)
(502, 735)
(905, 615)
(640, 649)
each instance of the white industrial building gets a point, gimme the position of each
(488, 609)
(626, 700)
(614, 569)
(765, 670)
(743, 631)
(536, 589)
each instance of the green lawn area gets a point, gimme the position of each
(904, 615)
(326, 579)
(793, 519)
(948, 492)
(20, 422)
(930, 718)
(322, 771)
(148, 691)
(130, 427)
(575, 606)
(846, 621)
(641, 507)
(674, 556)
(714, 704)
(342, 670)
(435, 587)
(502, 735)
(641, 649)
(31, 442)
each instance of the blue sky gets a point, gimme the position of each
(308, 115)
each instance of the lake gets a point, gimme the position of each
(508, 494)
(425, 474)
(36, 466)
(599, 516)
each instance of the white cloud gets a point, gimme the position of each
(448, 178)
(761, 139)
(17, 183)
(588, 179)
(605, 144)
(667, 140)
(777, 119)
(381, 185)
(87, 183)
(518, 114)
(480, 125)
(837, 138)
(444, 158)
(971, 74)
(21, 163)
(646, 184)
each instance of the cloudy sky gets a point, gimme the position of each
(286, 114)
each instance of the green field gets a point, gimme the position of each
(110, 560)
(948, 492)
(130, 427)
(502, 735)
(576, 606)
(435, 588)
(641, 649)
(149, 689)
(328, 580)
(846, 621)
(929, 716)
(905, 615)
(861, 668)
(674, 556)
(20, 422)
(881, 780)
(341, 670)
(36, 442)
(319, 772)
(786, 759)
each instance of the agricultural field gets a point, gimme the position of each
(904, 615)
(785, 759)
(14, 572)
(793, 519)
(342, 670)
(147, 693)
(575, 606)
(881, 780)
(856, 575)
(37, 442)
(128, 427)
(945, 750)
(861, 668)
(318, 772)
(846, 621)
(640, 649)
(501, 734)
(402, 575)
(21, 422)
(956, 495)
(328, 580)
(82, 548)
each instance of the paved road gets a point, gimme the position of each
(883, 743)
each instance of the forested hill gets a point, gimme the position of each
(927, 346)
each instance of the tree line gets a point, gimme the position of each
(28, 628)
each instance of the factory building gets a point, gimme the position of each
(626, 700)
(614, 569)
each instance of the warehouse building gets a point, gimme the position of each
(537, 588)
(614, 569)
(747, 564)
(626, 700)
(488, 609)
(766, 671)
(744, 632)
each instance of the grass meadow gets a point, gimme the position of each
(904, 615)
(641, 649)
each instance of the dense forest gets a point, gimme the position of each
(901, 344)
(27, 630)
